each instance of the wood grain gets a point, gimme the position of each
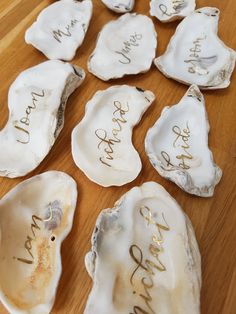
(214, 219)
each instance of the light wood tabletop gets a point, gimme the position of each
(214, 219)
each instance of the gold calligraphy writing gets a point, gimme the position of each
(146, 268)
(182, 141)
(107, 143)
(22, 125)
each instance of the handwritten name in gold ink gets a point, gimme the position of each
(182, 141)
(59, 34)
(24, 122)
(145, 269)
(32, 237)
(128, 45)
(197, 63)
(176, 6)
(107, 143)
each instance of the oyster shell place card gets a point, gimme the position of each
(124, 46)
(144, 257)
(36, 101)
(196, 55)
(35, 217)
(171, 10)
(60, 28)
(177, 146)
(119, 6)
(102, 142)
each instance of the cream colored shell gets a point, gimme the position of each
(177, 146)
(144, 257)
(35, 217)
(37, 101)
(195, 54)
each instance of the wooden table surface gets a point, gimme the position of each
(214, 219)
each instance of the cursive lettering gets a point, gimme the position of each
(182, 141)
(30, 238)
(107, 142)
(24, 122)
(133, 41)
(175, 7)
(148, 266)
(58, 35)
(196, 63)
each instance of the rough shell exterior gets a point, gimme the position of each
(119, 6)
(177, 146)
(36, 103)
(60, 28)
(124, 46)
(144, 257)
(102, 142)
(35, 217)
(171, 10)
(195, 54)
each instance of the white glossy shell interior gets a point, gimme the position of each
(36, 103)
(195, 54)
(60, 28)
(35, 217)
(170, 10)
(124, 46)
(144, 257)
(102, 142)
(177, 146)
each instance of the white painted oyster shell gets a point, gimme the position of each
(195, 54)
(60, 28)
(177, 146)
(124, 46)
(120, 6)
(36, 101)
(35, 217)
(102, 142)
(144, 257)
(171, 10)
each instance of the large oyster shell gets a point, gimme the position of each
(195, 54)
(60, 28)
(170, 10)
(101, 143)
(119, 6)
(177, 146)
(36, 101)
(144, 257)
(124, 46)
(35, 217)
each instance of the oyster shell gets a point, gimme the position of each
(195, 54)
(36, 101)
(177, 146)
(119, 6)
(101, 142)
(144, 257)
(124, 46)
(170, 10)
(60, 28)
(35, 217)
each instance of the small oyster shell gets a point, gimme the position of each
(195, 54)
(35, 217)
(37, 101)
(171, 10)
(144, 257)
(177, 146)
(60, 28)
(119, 6)
(101, 142)
(124, 46)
